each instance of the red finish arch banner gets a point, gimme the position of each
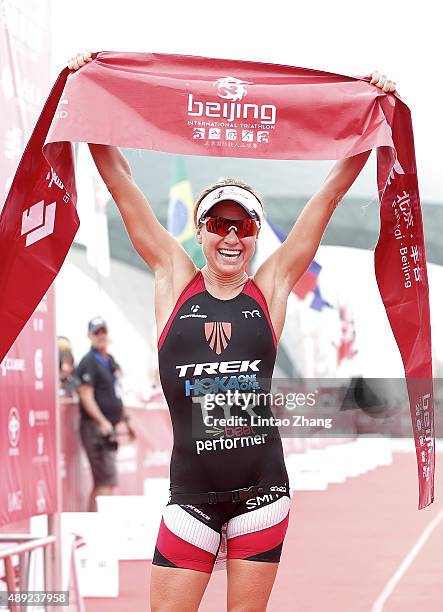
(201, 106)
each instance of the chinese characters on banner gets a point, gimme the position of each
(27, 371)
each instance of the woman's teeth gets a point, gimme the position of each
(229, 253)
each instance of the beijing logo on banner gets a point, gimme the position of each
(232, 88)
(242, 125)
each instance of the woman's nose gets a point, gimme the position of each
(232, 234)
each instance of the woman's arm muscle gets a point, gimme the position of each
(151, 240)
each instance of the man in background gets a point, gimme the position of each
(101, 408)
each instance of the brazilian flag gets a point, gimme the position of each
(180, 213)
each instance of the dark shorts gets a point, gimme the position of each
(102, 459)
(190, 536)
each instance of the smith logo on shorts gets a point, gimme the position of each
(218, 335)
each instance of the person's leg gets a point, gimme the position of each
(99, 490)
(249, 584)
(101, 459)
(255, 539)
(186, 548)
(175, 589)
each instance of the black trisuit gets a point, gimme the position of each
(211, 346)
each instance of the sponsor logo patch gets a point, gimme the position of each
(218, 335)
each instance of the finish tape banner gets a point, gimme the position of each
(201, 106)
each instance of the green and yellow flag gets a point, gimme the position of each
(180, 213)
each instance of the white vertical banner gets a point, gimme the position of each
(91, 207)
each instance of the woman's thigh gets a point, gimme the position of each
(255, 540)
(249, 584)
(187, 545)
(175, 589)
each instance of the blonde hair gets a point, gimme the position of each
(221, 183)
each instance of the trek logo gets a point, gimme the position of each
(231, 88)
(218, 335)
(251, 313)
(218, 367)
(38, 222)
(194, 313)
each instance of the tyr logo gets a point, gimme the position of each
(251, 313)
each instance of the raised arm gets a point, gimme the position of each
(284, 267)
(161, 251)
(292, 258)
(151, 240)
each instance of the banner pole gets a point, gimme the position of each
(54, 520)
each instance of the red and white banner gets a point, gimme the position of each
(27, 419)
(201, 106)
(27, 369)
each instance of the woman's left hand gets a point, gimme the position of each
(380, 80)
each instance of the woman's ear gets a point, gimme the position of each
(198, 234)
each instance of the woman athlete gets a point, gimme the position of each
(218, 329)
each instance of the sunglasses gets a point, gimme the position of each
(101, 330)
(242, 227)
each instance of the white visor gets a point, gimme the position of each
(234, 193)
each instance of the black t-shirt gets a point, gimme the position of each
(92, 371)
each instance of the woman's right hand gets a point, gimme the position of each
(80, 60)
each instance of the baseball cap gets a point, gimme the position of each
(234, 193)
(97, 323)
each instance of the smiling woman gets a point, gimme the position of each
(226, 325)
(228, 216)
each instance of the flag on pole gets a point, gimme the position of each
(180, 213)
